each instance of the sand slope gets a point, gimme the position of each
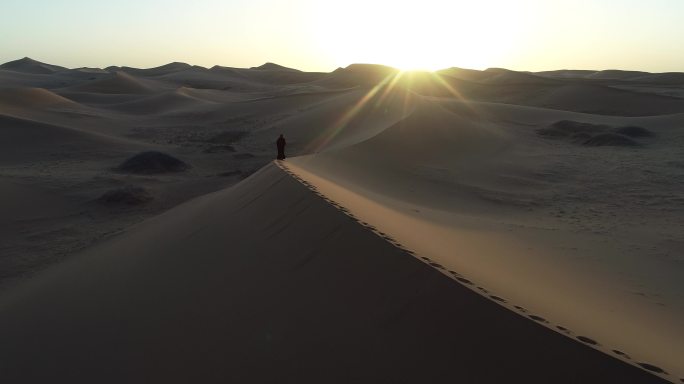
(23, 140)
(268, 275)
(476, 188)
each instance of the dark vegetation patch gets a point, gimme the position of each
(152, 162)
(130, 195)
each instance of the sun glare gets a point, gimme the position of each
(429, 35)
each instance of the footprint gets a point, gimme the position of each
(483, 290)
(497, 298)
(454, 273)
(462, 280)
(425, 258)
(438, 266)
(521, 309)
(587, 340)
(652, 368)
(540, 319)
(620, 353)
(562, 329)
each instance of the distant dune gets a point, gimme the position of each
(275, 67)
(27, 65)
(118, 82)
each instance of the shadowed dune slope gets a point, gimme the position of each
(607, 101)
(268, 275)
(174, 101)
(23, 140)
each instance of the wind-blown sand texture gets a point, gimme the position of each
(466, 225)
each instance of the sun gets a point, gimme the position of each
(411, 35)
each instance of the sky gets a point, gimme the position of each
(322, 35)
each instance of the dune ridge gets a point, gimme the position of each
(389, 317)
(28, 65)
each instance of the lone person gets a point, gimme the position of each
(280, 143)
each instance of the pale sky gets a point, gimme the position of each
(323, 35)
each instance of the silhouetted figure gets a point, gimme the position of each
(281, 147)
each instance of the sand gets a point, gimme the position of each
(267, 282)
(440, 231)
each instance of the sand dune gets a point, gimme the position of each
(82, 74)
(486, 179)
(117, 83)
(275, 67)
(615, 74)
(357, 74)
(324, 312)
(224, 79)
(152, 72)
(609, 101)
(28, 65)
(671, 78)
(12, 79)
(24, 140)
(465, 74)
(32, 98)
(461, 235)
(505, 76)
(175, 101)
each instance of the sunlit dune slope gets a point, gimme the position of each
(551, 223)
